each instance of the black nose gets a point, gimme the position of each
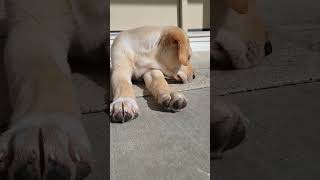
(267, 48)
(193, 76)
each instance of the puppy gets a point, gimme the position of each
(45, 138)
(152, 54)
(240, 37)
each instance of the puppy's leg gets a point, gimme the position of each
(158, 86)
(45, 139)
(124, 106)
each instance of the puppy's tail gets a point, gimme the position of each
(174, 35)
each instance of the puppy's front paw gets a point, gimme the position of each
(172, 102)
(124, 109)
(45, 147)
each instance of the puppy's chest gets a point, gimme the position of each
(142, 64)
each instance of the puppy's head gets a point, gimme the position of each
(254, 28)
(185, 74)
(175, 53)
(241, 32)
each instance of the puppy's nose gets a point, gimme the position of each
(268, 48)
(193, 76)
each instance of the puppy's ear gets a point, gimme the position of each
(240, 6)
(176, 36)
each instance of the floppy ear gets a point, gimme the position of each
(176, 36)
(240, 6)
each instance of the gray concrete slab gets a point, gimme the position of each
(278, 13)
(176, 146)
(162, 145)
(283, 136)
(97, 127)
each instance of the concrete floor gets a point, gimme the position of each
(162, 145)
(283, 137)
(97, 126)
(156, 145)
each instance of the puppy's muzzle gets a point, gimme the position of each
(183, 77)
(267, 48)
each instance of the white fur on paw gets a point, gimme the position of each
(124, 109)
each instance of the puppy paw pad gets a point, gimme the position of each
(124, 109)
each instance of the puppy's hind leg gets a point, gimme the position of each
(167, 98)
(124, 106)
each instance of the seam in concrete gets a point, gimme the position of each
(286, 84)
(95, 110)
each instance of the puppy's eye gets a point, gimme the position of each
(189, 58)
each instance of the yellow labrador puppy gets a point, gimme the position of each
(45, 138)
(152, 54)
(240, 39)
